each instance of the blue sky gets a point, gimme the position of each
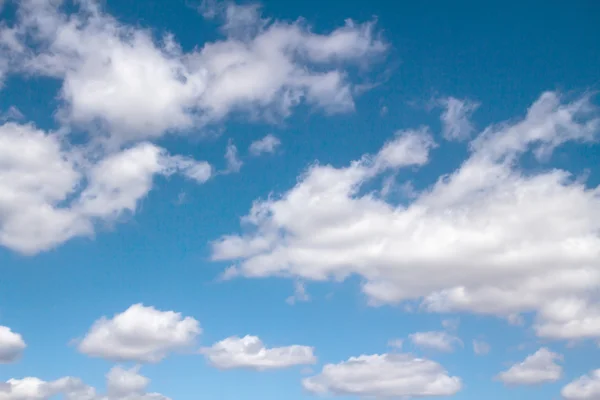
(301, 199)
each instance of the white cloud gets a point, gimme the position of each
(267, 144)
(117, 76)
(123, 87)
(11, 345)
(142, 334)
(118, 181)
(440, 341)
(384, 376)
(586, 387)
(456, 118)
(487, 238)
(250, 352)
(537, 368)
(396, 343)
(480, 347)
(51, 191)
(569, 318)
(231, 156)
(36, 175)
(406, 149)
(299, 295)
(122, 384)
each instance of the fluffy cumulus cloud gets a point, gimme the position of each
(51, 191)
(456, 118)
(488, 237)
(11, 345)
(234, 164)
(440, 341)
(586, 387)
(384, 376)
(250, 352)
(121, 78)
(540, 367)
(122, 384)
(267, 144)
(140, 333)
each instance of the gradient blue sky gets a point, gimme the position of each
(468, 71)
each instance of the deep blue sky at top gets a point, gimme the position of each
(503, 55)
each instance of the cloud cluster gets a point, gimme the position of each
(122, 384)
(140, 333)
(135, 87)
(487, 238)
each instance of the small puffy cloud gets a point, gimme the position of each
(586, 387)
(384, 376)
(140, 333)
(486, 238)
(250, 352)
(540, 367)
(480, 347)
(124, 87)
(11, 345)
(51, 191)
(267, 144)
(456, 118)
(121, 384)
(299, 295)
(440, 341)
(406, 149)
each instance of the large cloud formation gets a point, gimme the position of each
(122, 88)
(489, 238)
(137, 87)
